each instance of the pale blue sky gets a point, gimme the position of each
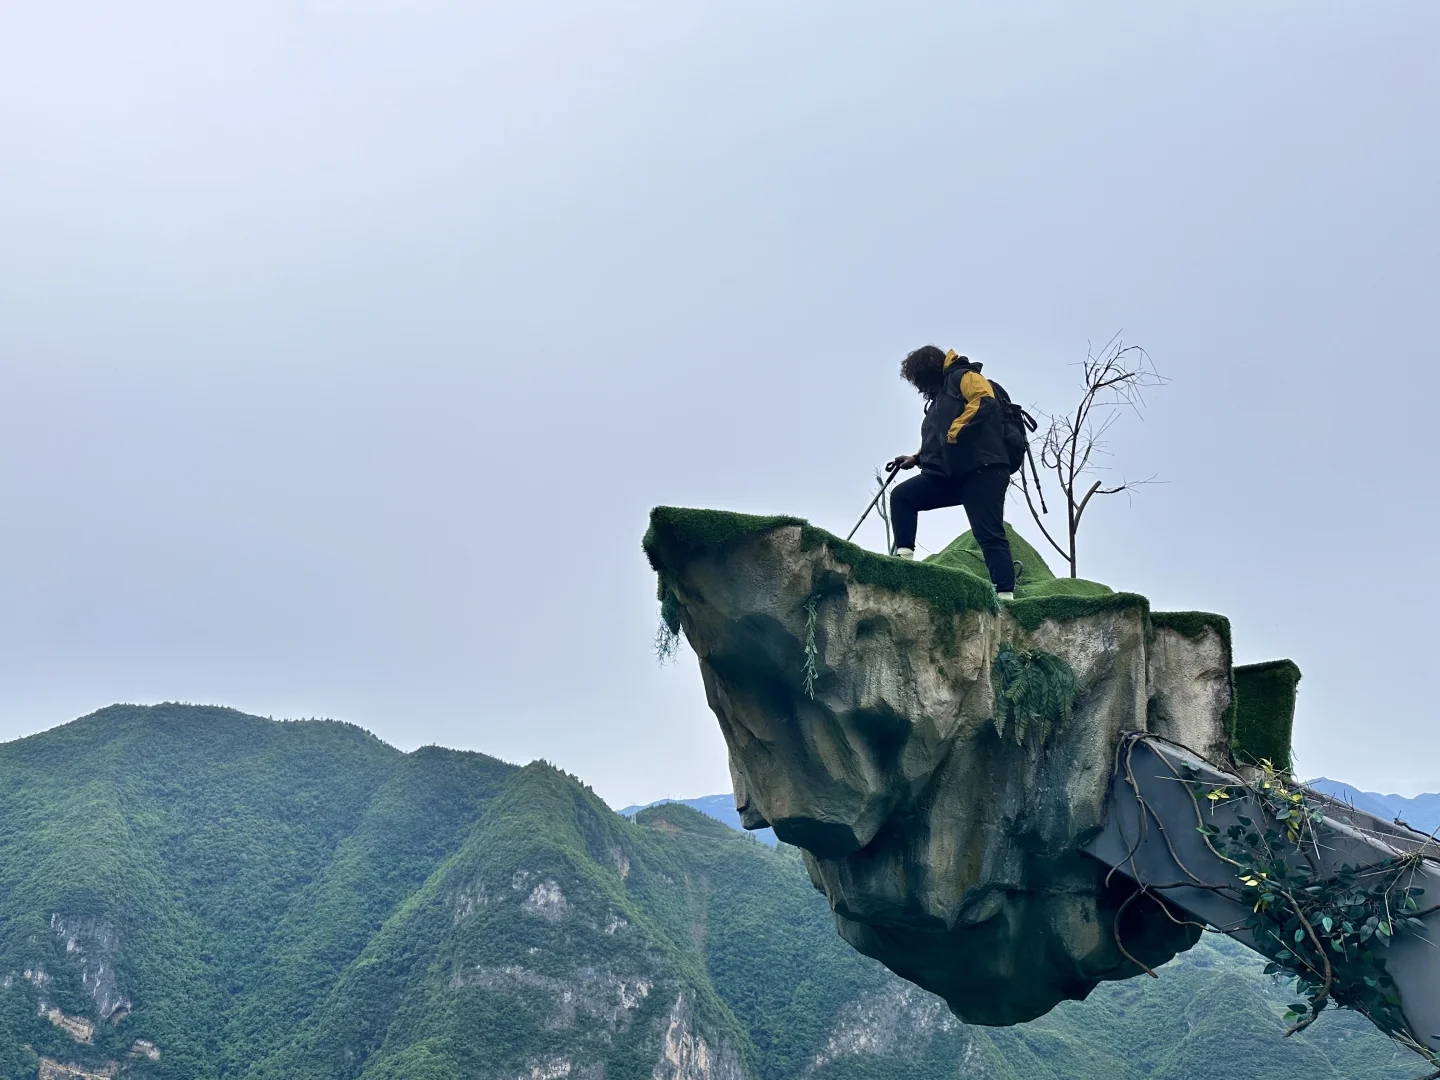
(343, 348)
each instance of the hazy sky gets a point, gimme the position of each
(344, 347)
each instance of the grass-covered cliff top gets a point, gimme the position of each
(952, 581)
(679, 534)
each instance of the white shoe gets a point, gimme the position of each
(904, 553)
(1005, 596)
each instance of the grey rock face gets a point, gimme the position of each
(95, 944)
(687, 1055)
(1189, 689)
(946, 852)
(897, 1021)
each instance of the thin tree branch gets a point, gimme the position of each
(1046, 532)
(1114, 377)
(1086, 502)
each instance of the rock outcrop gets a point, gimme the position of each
(94, 943)
(858, 697)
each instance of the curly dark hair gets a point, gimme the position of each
(924, 369)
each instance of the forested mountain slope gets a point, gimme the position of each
(192, 893)
(719, 807)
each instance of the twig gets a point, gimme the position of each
(1114, 378)
(1026, 490)
(1320, 999)
(1115, 930)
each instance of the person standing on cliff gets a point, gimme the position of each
(963, 459)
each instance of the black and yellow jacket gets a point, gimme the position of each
(964, 426)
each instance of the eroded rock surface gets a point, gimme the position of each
(95, 944)
(947, 852)
(1190, 686)
(686, 1055)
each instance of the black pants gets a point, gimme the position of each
(981, 492)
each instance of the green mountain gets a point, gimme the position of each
(193, 893)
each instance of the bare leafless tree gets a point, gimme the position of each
(1072, 445)
(883, 508)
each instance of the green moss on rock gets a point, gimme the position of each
(1035, 577)
(1193, 624)
(963, 553)
(682, 529)
(1265, 712)
(953, 581)
(1030, 612)
(949, 591)
(677, 534)
(1063, 586)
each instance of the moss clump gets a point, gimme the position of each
(677, 534)
(949, 591)
(681, 530)
(963, 553)
(1193, 624)
(1265, 713)
(1063, 586)
(1030, 612)
(1035, 577)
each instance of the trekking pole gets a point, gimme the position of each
(1030, 425)
(1036, 473)
(894, 468)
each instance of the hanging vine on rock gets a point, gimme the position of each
(667, 631)
(812, 653)
(1034, 691)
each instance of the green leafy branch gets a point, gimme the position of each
(1324, 929)
(1034, 691)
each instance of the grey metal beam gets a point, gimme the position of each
(1152, 836)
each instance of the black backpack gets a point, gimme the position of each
(1016, 424)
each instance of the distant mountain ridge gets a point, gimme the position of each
(1421, 813)
(719, 807)
(191, 893)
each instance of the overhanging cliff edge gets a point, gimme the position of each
(951, 767)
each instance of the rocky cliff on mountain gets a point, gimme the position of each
(941, 758)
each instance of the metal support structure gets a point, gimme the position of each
(1151, 835)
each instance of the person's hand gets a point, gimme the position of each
(904, 461)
